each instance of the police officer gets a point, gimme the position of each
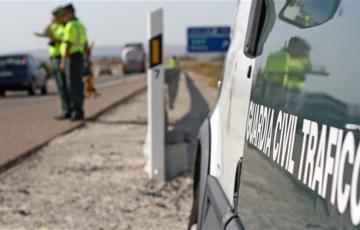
(285, 72)
(299, 64)
(173, 63)
(55, 32)
(73, 49)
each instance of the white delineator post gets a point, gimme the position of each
(156, 112)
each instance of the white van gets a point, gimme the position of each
(281, 148)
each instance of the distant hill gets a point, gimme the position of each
(98, 52)
(112, 51)
(107, 51)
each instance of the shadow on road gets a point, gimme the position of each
(185, 129)
(172, 77)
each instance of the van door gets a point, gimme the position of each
(226, 123)
(302, 155)
(234, 117)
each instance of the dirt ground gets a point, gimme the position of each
(94, 178)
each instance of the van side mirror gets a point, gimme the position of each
(307, 13)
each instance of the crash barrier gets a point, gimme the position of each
(172, 77)
(176, 147)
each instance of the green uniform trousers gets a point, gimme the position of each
(62, 87)
(74, 77)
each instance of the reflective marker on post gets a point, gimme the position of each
(156, 112)
(155, 51)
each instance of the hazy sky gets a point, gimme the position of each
(108, 22)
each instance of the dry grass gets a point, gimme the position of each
(211, 70)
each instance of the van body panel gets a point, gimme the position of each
(285, 132)
(215, 203)
(228, 120)
(302, 157)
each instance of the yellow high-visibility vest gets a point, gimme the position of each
(57, 32)
(282, 69)
(74, 34)
(173, 63)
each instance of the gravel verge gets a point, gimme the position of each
(94, 178)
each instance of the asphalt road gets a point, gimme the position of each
(16, 99)
(27, 122)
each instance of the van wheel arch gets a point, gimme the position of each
(201, 171)
(196, 183)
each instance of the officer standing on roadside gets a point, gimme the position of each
(285, 73)
(55, 32)
(173, 62)
(73, 49)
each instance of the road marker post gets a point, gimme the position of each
(156, 110)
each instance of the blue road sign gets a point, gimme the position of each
(208, 39)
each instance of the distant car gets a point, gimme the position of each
(133, 60)
(105, 69)
(22, 72)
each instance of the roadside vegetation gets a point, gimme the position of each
(211, 70)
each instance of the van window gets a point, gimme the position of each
(13, 62)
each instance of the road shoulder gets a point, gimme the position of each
(94, 178)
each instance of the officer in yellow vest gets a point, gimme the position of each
(298, 65)
(55, 32)
(73, 49)
(173, 63)
(285, 72)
